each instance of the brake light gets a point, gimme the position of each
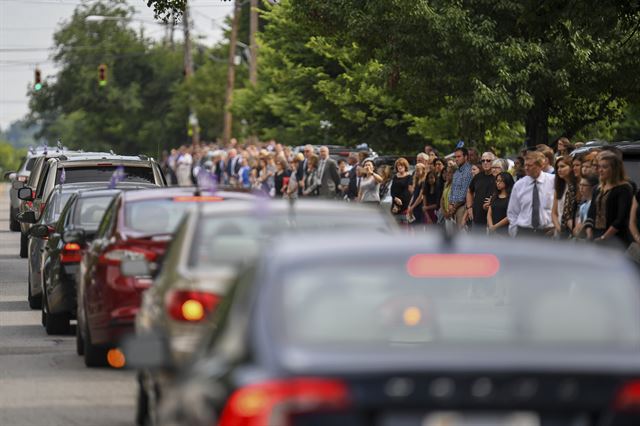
(628, 398)
(104, 164)
(273, 402)
(453, 265)
(191, 306)
(70, 253)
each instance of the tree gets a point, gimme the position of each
(494, 60)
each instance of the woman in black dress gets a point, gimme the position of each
(497, 221)
(401, 188)
(608, 219)
(282, 172)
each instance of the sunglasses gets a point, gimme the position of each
(487, 161)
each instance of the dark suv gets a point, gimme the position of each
(87, 167)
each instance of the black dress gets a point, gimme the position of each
(400, 189)
(418, 213)
(278, 180)
(498, 212)
(615, 205)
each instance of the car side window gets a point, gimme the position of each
(108, 220)
(35, 173)
(63, 220)
(42, 180)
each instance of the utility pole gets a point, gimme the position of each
(231, 73)
(253, 47)
(188, 72)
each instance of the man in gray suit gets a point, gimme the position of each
(328, 174)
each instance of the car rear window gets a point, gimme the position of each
(237, 238)
(104, 174)
(378, 302)
(30, 163)
(89, 211)
(155, 217)
(632, 167)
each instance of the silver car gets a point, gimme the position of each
(210, 247)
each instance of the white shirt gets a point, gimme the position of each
(519, 210)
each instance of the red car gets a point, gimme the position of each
(137, 225)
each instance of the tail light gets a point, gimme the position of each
(42, 206)
(191, 306)
(274, 402)
(70, 253)
(628, 398)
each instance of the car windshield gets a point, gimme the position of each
(382, 303)
(90, 210)
(54, 207)
(235, 239)
(104, 174)
(155, 217)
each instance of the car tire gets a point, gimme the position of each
(94, 355)
(79, 341)
(14, 225)
(35, 302)
(54, 323)
(24, 245)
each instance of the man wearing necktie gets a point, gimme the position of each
(328, 174)
(529, 210)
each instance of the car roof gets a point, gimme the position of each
(176, 191)
(340, 245)
(268, 206)
(79, 157)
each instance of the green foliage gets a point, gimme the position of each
(10, 157)
(397, 73)
(143, 108)
(166, 10)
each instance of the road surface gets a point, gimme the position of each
(42, 380)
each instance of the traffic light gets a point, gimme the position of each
(38, 80)
(102, 75)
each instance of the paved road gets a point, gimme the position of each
(42, 380)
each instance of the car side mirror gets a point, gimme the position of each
(135, 268)
(10, 175)
(148, 351)
(40, 231)
(25, 193)
(74, 236)
(26, 217)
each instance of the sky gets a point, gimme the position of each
(26, 40)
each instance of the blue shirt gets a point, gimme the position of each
(460, 183)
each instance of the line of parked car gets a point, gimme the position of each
(239, 310)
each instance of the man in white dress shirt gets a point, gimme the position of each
(531, 199)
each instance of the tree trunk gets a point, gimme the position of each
(537, 124)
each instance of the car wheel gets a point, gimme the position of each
(24, 245)
(54, 323)
(14, 225)
(35, 302)
(142, 406)
(79, 341)
(94, 355)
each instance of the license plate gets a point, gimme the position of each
(452, 418)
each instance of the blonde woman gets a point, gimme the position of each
(415, 214)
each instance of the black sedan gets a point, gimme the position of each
(367, 330)
(79, 219)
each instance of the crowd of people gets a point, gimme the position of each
(545, 193)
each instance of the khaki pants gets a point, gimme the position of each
(460, 216)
